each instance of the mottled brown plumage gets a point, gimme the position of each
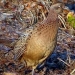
(39, 41)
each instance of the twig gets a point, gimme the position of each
(72, 72)
(62, 20)
(63, 62)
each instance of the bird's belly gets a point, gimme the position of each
(37, 51)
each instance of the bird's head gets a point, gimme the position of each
(58, 7)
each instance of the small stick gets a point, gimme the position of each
(63, 62)
(72, 72)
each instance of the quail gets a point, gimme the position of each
(38, 41)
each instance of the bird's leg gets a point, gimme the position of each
(33, 70)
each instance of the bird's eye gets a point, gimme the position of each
(58, 7)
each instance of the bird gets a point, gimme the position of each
(38, 41)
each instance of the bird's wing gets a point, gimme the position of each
(20, 46)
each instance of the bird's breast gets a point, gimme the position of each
(39, 43)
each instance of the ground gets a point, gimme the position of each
(61, 62)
